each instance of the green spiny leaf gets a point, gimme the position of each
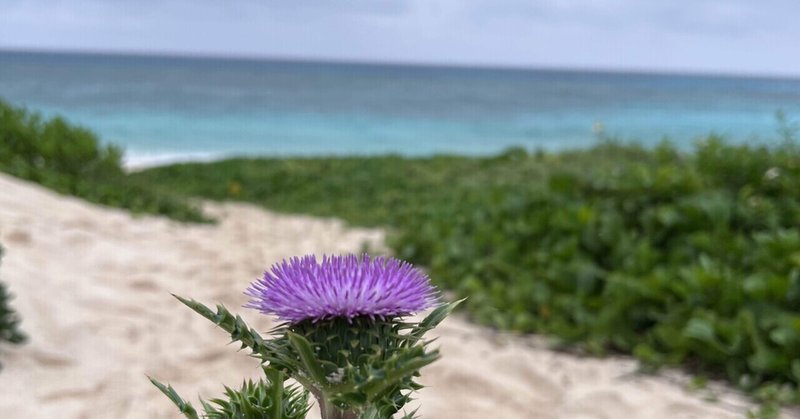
(185, 407)
(434, 318)
(400, 372)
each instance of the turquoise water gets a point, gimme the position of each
(165, 107)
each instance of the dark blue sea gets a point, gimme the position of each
(171, 107)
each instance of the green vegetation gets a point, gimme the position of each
(680, 258)
(72, 161)
(9, 320)
(264, 399)
(365, 368)
(686, 259)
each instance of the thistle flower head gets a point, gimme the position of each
(341, 286)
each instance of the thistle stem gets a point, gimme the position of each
(329, 411)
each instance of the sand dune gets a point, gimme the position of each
(93, 286)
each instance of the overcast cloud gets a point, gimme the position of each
(733, 36)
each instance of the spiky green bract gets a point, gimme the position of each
(263, 399)
(360, 365)
(362, 368)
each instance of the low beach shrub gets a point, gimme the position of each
(71, 160)
(9, 319)
(680, 258)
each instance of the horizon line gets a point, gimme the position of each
(399, 63)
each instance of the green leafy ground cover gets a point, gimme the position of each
(686, 259)
(71, 160)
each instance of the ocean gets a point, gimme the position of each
(164, 108)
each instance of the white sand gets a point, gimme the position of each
(93, 286)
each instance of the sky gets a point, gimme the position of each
(722, 36)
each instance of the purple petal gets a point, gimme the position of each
(341, 286)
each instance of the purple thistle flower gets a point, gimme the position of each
(341, 286)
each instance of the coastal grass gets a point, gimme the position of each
(71, 160)
(680, 258)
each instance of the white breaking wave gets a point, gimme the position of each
(133, 161)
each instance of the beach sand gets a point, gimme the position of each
(93, 287)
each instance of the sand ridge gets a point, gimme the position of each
(93, 286)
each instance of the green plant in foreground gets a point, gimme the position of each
(264, 399)
(9, 320)
(343, 337)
